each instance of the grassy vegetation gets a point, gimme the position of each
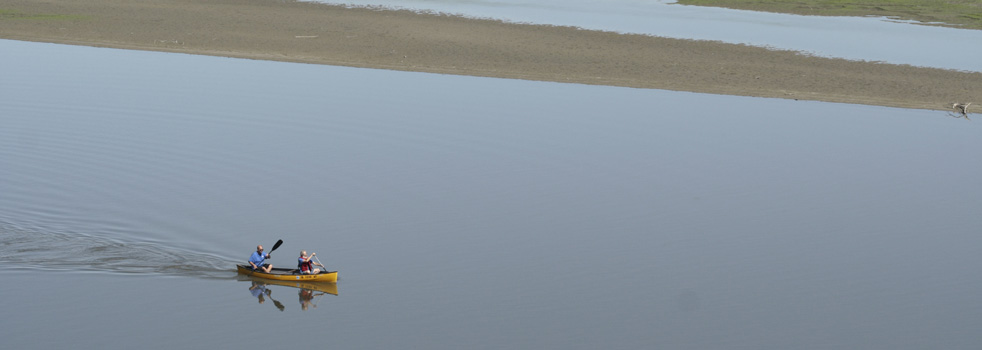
(15, 15)
(951, 13)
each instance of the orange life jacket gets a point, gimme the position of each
(304, 266)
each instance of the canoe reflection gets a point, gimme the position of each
(308, 293)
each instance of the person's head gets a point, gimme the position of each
(303, 253)
(259, 248)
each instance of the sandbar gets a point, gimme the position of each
(316, 33)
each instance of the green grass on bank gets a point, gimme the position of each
(951, 13)
(12, 15)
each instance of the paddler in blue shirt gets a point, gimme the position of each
(257, 258)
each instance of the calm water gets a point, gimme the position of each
(867, 39)
(470, 212)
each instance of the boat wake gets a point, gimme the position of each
(39, 249)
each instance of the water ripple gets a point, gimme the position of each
(34, 248)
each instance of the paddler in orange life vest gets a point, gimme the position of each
(305, 265)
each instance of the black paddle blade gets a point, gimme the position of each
(277, 245)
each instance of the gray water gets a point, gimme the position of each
(856, 38)
(470, 212)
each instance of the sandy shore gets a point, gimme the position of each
(284, 30)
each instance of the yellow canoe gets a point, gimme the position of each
(279, 274)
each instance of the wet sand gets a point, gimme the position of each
(285, 30)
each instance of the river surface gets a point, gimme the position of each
(470, 213)
(855, 38)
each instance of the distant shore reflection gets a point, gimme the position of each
(308, 294)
